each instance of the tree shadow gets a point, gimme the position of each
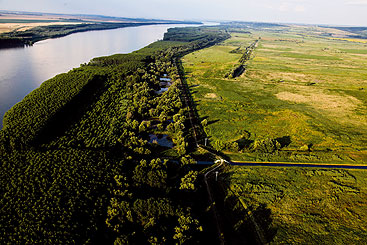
(247, 223)
(72, 112)
(218, 153)
(245, 141)
(262, 215)
(213, 121)
(250, 226)
(284, 141)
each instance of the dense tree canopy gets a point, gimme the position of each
(76, 162)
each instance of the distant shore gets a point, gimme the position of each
(31, 36)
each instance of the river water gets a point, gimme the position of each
(24, 69)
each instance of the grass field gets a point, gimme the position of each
(307, 90)
(301, 87)
(306, 206)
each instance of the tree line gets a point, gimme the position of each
(241, 66)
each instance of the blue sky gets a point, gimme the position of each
(339, 12)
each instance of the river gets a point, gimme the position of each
(24, 69)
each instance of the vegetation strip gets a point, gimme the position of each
(240, 69)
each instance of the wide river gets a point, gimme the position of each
(24, 69)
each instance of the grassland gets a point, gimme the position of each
(307, 89)
(302, 87)
(307, 206)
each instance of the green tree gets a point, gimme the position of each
(186, 229)
(204, 123)
(188, 181)
(219, 145)
(266, 145)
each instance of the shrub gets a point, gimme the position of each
(266, 145)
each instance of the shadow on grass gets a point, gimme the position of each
(284, 141)
(243, 224)
(245, 141)
(262, 215)
(249, 223)
(194, 92)
(218, 153)
(213, 121)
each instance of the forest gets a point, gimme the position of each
(81, 158)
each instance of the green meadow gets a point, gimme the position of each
(305, 90)
(304, 206)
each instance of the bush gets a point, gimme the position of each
(234, 147)
(266, 145)
(219, 145)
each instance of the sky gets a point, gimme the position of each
(333, 12)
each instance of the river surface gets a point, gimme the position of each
(24, 69)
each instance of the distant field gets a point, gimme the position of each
(22, 21)
(306, 206)
(18, 22)
(30, 21)
(8, 27)
(301, 88)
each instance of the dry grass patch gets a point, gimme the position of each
(258, 58)
(336, 107)
(211, 96)
(355, 40)
(290, 76)
(287, 123)
(335, 32)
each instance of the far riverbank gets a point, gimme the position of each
(31, 36)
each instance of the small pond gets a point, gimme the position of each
(165, 83)
(161, 139)
(165, 79)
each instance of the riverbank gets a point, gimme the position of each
(31, 36)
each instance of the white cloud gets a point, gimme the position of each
(284, 7)
(299, 8)
(356, 2)
(287, 6)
